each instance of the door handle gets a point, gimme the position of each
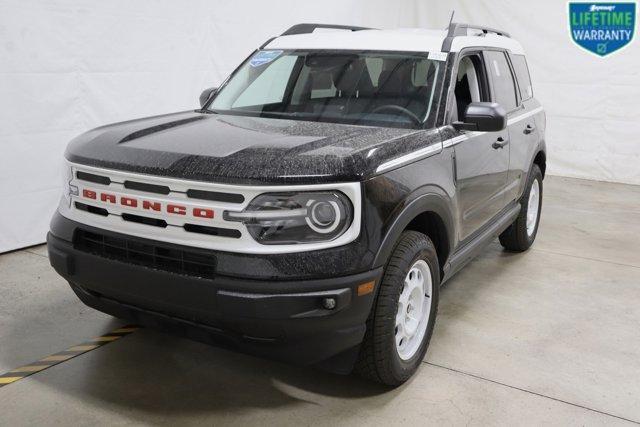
(500, 142)
(529, 129)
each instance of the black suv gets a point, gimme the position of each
(312, 207)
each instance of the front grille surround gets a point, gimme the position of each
(140, 210)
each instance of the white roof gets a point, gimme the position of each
(403, 39)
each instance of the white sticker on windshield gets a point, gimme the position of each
(437, 56)
(496, 67)
(264, 57)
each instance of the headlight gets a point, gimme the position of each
(68, 189)
(285, 218)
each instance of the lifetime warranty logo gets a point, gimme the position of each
(602, 28)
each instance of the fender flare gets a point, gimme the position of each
(415, 204)
(541, 148)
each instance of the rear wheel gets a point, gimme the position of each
(520, 235)
(402, 319)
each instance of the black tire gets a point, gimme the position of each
(515, 238)
(379, 359)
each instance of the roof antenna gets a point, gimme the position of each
(453, 12)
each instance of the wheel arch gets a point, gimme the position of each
(541, 160)
(429, 214)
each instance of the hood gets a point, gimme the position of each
(240, 149)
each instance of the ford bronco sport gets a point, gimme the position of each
(312, 207)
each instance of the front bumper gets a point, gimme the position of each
(285, 320)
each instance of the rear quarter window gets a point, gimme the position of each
(522, 74)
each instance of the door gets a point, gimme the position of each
(523, 129)
(505, 92)
(481, 158)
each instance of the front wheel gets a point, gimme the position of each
(402, 319)
(520, 235)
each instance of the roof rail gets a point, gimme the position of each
(457, 29)
(309, 28)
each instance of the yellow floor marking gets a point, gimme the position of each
(30, 368)
(102, 339)
(83, 347)
(54, 359)
(117, 331)
(57, 358)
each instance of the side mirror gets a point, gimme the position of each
(206, 95)
(483, 117)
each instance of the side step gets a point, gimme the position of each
(472, 249)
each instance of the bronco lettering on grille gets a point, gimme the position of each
(148, 205)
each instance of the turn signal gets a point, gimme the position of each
(366, 288)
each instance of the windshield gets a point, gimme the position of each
(380, 89)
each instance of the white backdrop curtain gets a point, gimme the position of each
(68, 66)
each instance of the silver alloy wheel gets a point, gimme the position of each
(533, 207)
(414, 308)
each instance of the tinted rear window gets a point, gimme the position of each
(504, 90)
(522, 74)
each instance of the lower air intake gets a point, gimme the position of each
(146, 253)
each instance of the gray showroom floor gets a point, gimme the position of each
(547, 336)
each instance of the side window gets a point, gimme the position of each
(504, 89)
(470, 84)
(522, 74)
(420, 73)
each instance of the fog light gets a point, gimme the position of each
(329, 303)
